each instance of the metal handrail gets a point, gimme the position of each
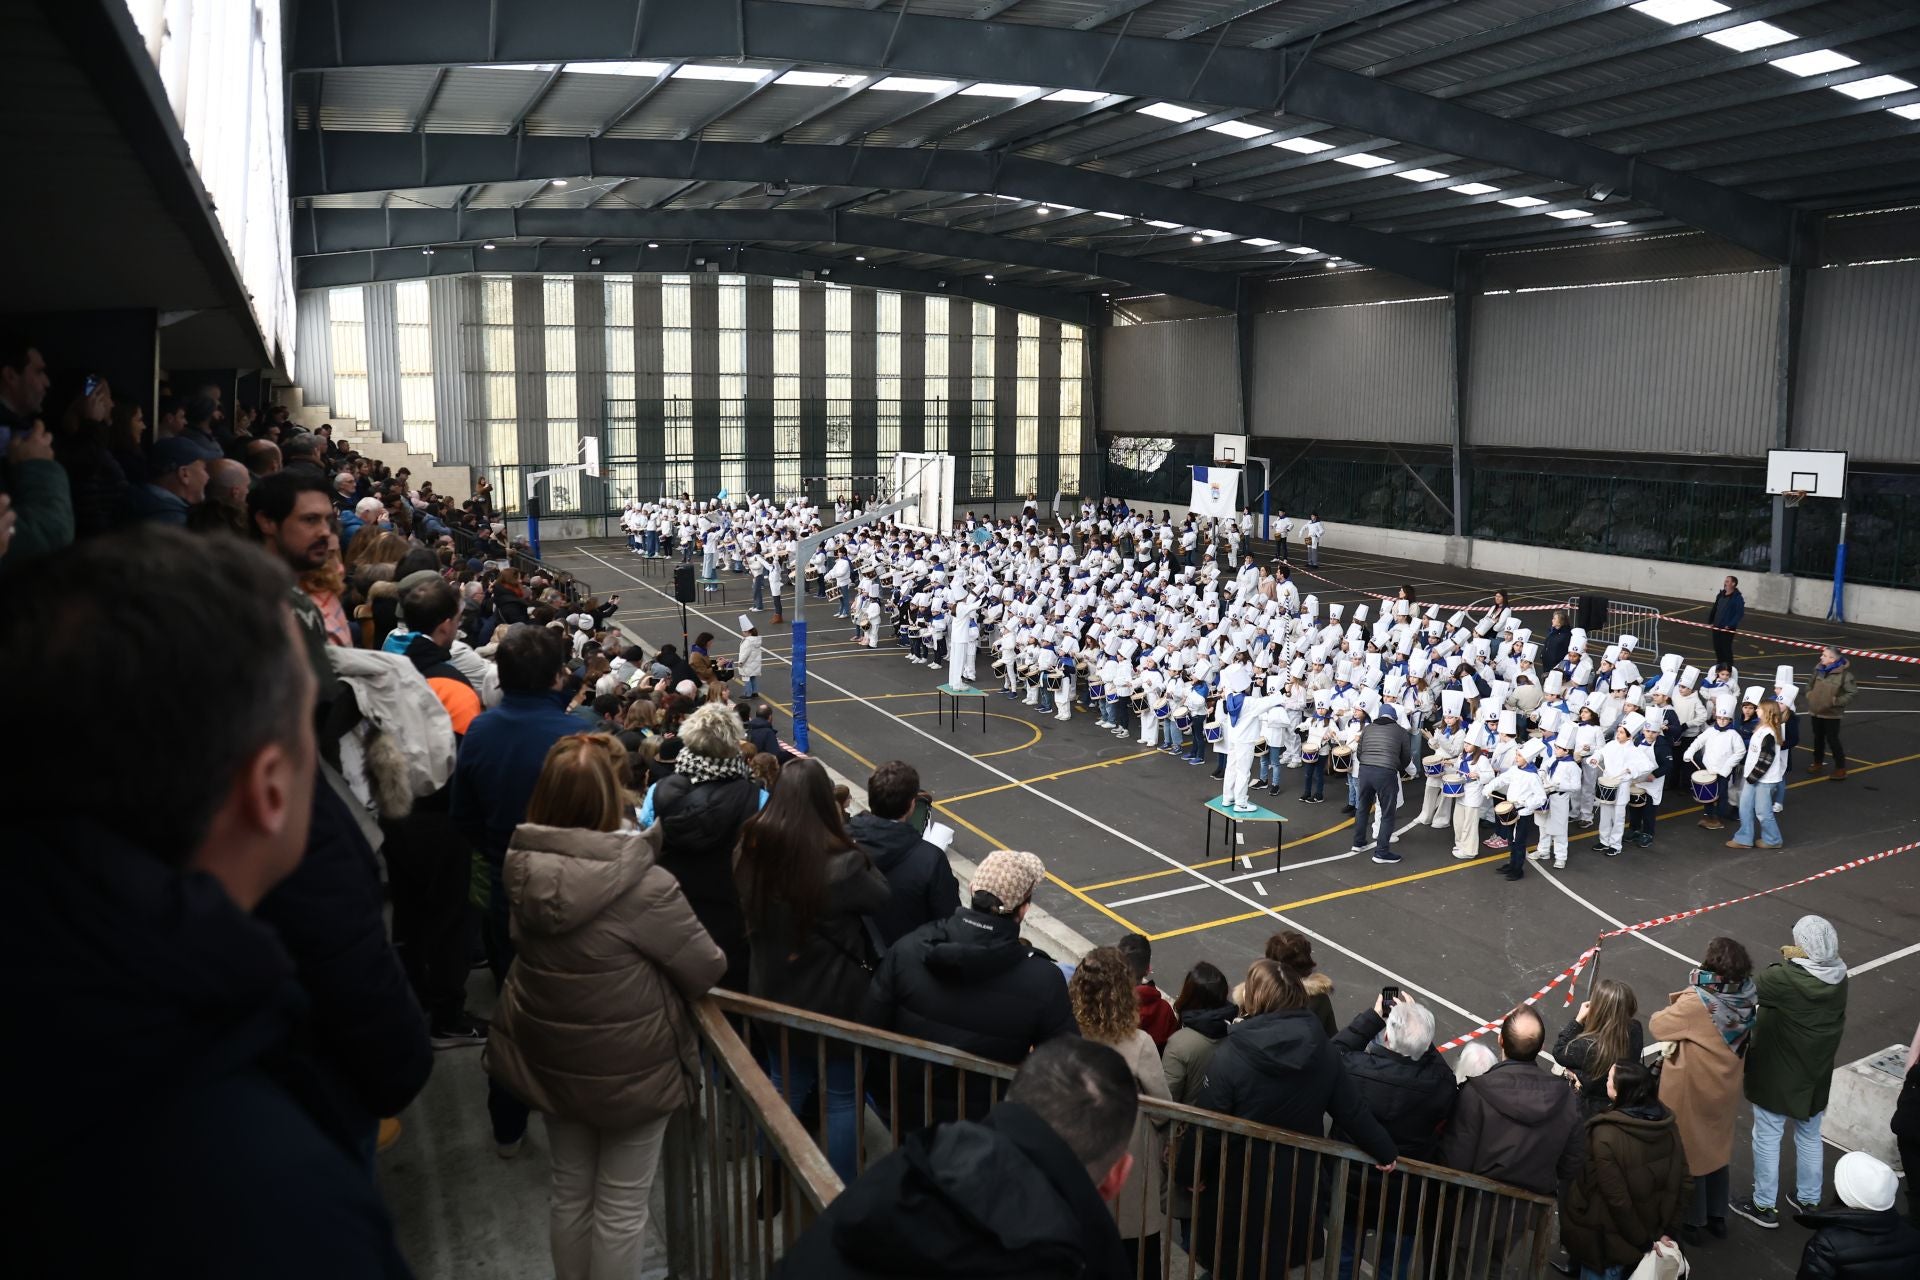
(792, 1144)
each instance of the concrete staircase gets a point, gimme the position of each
(448, 480)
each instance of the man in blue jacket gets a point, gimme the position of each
(1729, 608)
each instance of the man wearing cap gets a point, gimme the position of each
(176, 481)
(1866, 1240)
(971, 982)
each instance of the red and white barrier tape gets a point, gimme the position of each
(1573, 970)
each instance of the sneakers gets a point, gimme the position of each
(1464, 854)
(1359, 848)
(1759, 1215)
(1611, 850)
(508, 1150)
(1387, 859)
(458, 1034)
(1735, 844)
(1348, 809)
(1539, 855)
(1560, 864)
(1495, 842)
(1796, 1205)
(1817, 767)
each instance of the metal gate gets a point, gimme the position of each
(1624, 618)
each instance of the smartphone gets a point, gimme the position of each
(1388, 995)
(91, 385)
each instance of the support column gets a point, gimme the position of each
(1786, 376)
(1460, 340)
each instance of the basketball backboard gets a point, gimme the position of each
(1813, 473)
(1229, 450)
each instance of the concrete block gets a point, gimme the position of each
(1861, 1101)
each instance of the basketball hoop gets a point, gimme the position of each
(1793, 496)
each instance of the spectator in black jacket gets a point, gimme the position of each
(1383, 753)
(1022, 1194)
(1553, 645)
(763, 736)
(971, 983)
(1865, 1240)
(1276, 1068)
(704, 804)
(177, 1102)
(1409, 1089)
(924, 888)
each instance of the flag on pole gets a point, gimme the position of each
(1216, 491)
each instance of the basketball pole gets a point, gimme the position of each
(1837, 608)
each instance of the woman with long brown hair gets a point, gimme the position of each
(1765, 771)
(326, 586)
(804, 888)
(593, 1028)
(1293, 952)
(1604, 1032)
(1104, 1005)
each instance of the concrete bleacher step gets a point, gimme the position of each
(448, 479)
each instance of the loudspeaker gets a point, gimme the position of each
(683, 584)
(1592, 613)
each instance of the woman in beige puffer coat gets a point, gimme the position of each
(594, 1029)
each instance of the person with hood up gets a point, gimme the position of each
(1708, 1026)
(593, 1028)
(1866, 1239)
(970, 982)
(1021, 1194)
(921, 884)
(1633, 1187)
(1803, 1014)
(1276, 1068)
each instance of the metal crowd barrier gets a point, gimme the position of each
(1260, 1201)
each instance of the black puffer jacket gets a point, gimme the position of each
(821, 969)
(1859, 1244)
(1516, 1124)
(1003, 1198)
(701, 829)
(1412, 1099)
(922, 884)
(968, 982)
(1275, 1069)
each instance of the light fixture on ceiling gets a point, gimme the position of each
(1199, 239)
(593, 262)
(826, 271)
(488, 245)
(989, 275)
(859, 257)
(559, 182)
(653, 244)
(427, 252)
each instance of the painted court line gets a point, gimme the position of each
(1062, 805)
(1889, 958)
(1190, 888)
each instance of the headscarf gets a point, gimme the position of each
(1820, 946)
(1731, 1008)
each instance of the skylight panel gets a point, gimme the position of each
(640, 70)
(1102, 213)
(1909, 112)
(1170, 111)
(1421, 175)
(1075, 95)
(1750, 35)
(1815, 62)
(1364, 160)
(708, 71)
(913, 84)
(1259, 242)
(820, 79)
(1564, 214)
(1239, 129)
(1300, 248)
(990, 90)
(1675, 12)
(1617, 222)
(1523, 202)
(1874, 87)
(1474, 189)
(1164, 226)
(1305, 146)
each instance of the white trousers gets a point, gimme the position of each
(1233, 789)
(1435, 807)
(1149, 728)
(597, 1214)
(1466, 827)
(1613, 818)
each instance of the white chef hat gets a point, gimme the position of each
(1509, 723)
(1627, 643)
(1359, 613)
(1671, 663)
(1783, 676)
(1527, 652)
(1690, 678)
(1577, 638)
(1753, 694)
(1664, 685)
(1611, 653)
(1298, 670)
(1532, 748)
(1787, 697)
(1555, 682)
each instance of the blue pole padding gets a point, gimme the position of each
(800, 684)
(1266, 512)
(533, 533)
(1837, 610)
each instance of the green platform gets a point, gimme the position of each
(1230, 827)
(957, 692)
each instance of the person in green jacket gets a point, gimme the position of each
(1827, 698)
(1803, 1014)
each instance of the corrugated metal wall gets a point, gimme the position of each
(1379, 372)
(1859, 384)
(313, 347)
(1666, 366)
(454, 303)
(1172, 377)
(383, 361)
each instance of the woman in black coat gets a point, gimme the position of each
(1276, 1068)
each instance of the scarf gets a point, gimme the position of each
(1828, 668)
(1234, 703)
(699, 769)
(1731, 1008)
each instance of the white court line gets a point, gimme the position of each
(1889, 958)
(1175, 863)
(1655, 943)
(1190, 888)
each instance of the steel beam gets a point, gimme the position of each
(410, 264)
(330, 162)
(374, 32)
(330, 231)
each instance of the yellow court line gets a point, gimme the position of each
(1218, 862)
(1048, 777)
(1686, 811)
(1038, 733)
(811, 730)
(992, 843)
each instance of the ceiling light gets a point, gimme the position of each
(1305, 146)
(1259, 242)
(912, 84)
(1474, 189)
(1106, 295)
(1199, 239)
(1421, 175)
(1675, 12)
(1909, 112)
(1750, 35)
(1564, 214)
(645, 70)
(559, 182)
(989, 275)
(520, 66)
(1168, 111)
(1362, 160)
(705, 71)
(1617, 222)
(1523, 202)
(1874, 87)
(1041, 210)
(820, 79)
(427, 252)
(826, 271)
(1239, 129)
(1102, 213)
(1075, 95)
(653, 244)
(1330, 262)
(1208, 231)
(1300, 248)
(487, 245)
(1164, 226)
(998, 90)
(1816, 62)
(1014, 199)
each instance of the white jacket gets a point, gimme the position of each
(752, 655)
(1717, 750)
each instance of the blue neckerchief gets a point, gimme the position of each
(1234, 701)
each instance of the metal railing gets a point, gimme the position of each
(1237, 1198)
